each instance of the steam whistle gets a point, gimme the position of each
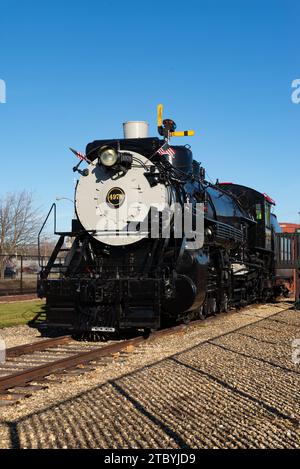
(167, 127)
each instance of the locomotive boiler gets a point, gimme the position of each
(132, 264)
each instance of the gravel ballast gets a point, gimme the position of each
(19, 335)
(228, 382)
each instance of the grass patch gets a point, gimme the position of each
(14, 314)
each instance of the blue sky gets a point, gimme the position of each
(76, 70)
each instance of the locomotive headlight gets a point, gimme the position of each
(108, 156)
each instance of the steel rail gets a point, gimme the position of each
(38, 372)
(35, 373)
(22, 378)
(36, 346)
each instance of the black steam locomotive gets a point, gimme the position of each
(118, 273)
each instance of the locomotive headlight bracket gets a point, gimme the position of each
(108, 156)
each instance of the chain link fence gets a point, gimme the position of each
(18, 274)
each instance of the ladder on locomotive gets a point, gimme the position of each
(287, 256)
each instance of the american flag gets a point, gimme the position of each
(79, 155)
(166, 150)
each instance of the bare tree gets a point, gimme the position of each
(19, 224)
(47, 245)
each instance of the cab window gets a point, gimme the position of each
(258, 212)
(268, 215)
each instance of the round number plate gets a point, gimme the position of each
(115, 197)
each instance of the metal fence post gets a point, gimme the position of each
(21, 276)
(297, 288)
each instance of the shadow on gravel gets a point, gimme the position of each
(251, 357)
(193, 399)
(243, 394)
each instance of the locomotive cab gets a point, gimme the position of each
(259, 205)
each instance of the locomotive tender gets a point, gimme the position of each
(117, 275)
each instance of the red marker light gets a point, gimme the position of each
(268, 198)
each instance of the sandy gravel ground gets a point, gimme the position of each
(19, 335)
(229, 382)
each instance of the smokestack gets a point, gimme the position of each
(135, 129)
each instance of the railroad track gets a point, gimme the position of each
(32, 367)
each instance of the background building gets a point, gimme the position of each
(290, 227)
